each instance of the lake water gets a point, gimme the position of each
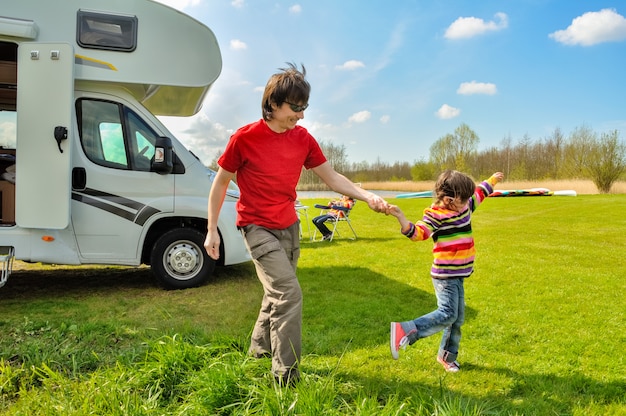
(331, 194)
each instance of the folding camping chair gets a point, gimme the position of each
(335, 220)
(302, 212)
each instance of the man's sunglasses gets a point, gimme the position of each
(297, 108)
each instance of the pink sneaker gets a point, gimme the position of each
(451, 367)
(399, 339)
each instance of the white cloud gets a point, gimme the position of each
(204, 137)
(295, 9)
(447, 112)
(180, 4)
(467, 27)
(360, 117)
(350, 65)
(238, 4)
(385, 119)
(592, 28)
(238, 45)
(469, 88)
(317, 128)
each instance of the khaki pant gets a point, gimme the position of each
(278, 329)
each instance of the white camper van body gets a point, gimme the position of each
(94, 177)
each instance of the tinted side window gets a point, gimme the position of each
(113, 136)
(106, 31)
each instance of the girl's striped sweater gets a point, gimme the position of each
(453, 250)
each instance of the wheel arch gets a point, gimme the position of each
(170, 223)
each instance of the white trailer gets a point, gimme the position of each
(88, 174)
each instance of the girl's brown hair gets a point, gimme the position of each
(454, 184)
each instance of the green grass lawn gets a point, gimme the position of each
(544, 332)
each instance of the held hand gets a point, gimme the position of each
(394, 210)
(378, 204)
(212, 245)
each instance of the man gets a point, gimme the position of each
(267, 156)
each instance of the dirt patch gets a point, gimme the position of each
(33, 281)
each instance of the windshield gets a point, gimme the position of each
(233, 189)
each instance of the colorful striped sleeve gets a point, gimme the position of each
(418, 231)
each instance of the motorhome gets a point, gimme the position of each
(88, 173)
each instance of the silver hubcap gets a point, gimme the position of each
(184, 260)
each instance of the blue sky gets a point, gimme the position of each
(390, 78)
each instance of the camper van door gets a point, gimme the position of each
(120, 196)
(45, 95)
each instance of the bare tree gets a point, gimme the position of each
(454, 151)
(581, 142)
(521, 158)
(465, 144)
(400, 171)
(441, 153)
(214, 164)
(507, 145)
(607, 162)
(488, 161)
(581, 155)
(554, 150)
(423, 171)
(336, 156)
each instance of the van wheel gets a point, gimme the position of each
(179, 260)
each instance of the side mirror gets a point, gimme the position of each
(163, 159)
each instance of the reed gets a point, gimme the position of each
(582, 187)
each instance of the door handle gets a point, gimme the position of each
(60, 134)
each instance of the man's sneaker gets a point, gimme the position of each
(327, 237)
(451, 367)
(399, 339)
(288, 379)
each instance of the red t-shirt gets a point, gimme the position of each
(268, 167)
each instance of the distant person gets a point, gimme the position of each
(267, 156)
(332, 214)
(448, 222)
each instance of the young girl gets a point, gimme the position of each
(448, 221)
(344, 202)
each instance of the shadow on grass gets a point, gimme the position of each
(354, 305)
(349, 309)
(345, 308)
(308, 244)
(128, 301)
(536, 394)
(33, 282)
(342, 305)
(63, 281)
(507, 391)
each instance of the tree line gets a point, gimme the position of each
(584, 154)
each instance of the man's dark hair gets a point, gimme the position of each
(288, 85)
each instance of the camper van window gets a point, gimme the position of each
(113, 136)
(106, 31)
(8, 129)
(141, 143)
